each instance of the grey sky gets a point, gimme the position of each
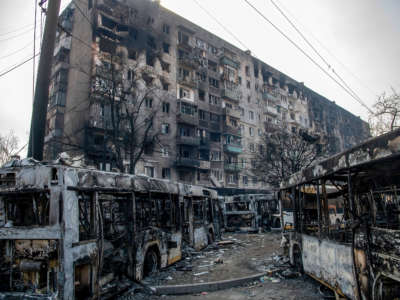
(363, 34)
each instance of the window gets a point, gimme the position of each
(202, 114)
(150, 20)
(251, 115)
(148, 102)
(165, 128)
(183, 38)
(241, 111)
(248, 99)
(215, 137)
(247, 71)
(184, 93)
(166, 47)
(240, 80)
(245, 180)
(248, 84)
(202, 95)
(261, 149)
(132, 54)
(241, 128)
(253, 163)
(251, 147)
(166, 173)
(214, 117)
(165, 86)
(149, 171)
(151, 42)
(165, 107)
(251, 131)
(213, 82)
(217, 174)
(165, 28)
(212, 65)
(259, 132)
(215, 156)
(214, 100)
(164, 152)
(165, 66)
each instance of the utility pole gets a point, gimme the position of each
(41, 99)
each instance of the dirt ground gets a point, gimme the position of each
(248, 254)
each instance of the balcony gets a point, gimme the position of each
(231, 130)
(225, 60)
(233, 167)
(204, 164)
(188, 140)
(231, 112)
(203, 123)
(270, 96)
(188, 61)
(270, 110)
(63, 43)
(233, 148)
(232, 94)
(187, 162)
(187, 81)
(204, 143)
(187, 119)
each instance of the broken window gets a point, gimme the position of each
(166, 47)
(212, 65)
(202, 95)
(213, 82)
(166, 173)
(151, 42)
(166, 28)
(87, 211)
(27, 209)
(107, 46)
(165, 107)
(183, 38)
(132, 54)
(165, 128)
(149, 171)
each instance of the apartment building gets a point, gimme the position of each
(213, 100)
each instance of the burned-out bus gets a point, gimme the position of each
(250, 212)
(73, 233)
(356, 254)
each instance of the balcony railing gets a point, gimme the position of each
(187, 119)
(232, 94)
(233, 167)
(204, 164)
(271, 110)
(187, 162)
(204, 143)
(187, 81)
(188, 140)
(225, 60)
(232, 112)
(231, 130)
(233, 148)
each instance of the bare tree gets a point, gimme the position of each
(8, 146)
(386, 114)
(283, 153)
(132, 105)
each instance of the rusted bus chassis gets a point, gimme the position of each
(359, 255)
(249, 212)
(70, 233)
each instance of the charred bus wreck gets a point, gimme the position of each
(249, 212)
(356, 252)
(70, 233)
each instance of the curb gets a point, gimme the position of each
(203, 287)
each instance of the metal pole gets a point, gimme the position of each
(41, 99)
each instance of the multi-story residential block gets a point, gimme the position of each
(213, 100)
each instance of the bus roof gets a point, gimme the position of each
(381, 149)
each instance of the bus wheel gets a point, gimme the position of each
(150, 262)
(210, 237)
(297, 259)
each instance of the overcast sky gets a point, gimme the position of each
(359, 38)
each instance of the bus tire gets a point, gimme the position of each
(150, 262)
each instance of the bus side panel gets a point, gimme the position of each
(200, 238)
(175, 253)
(329, 262)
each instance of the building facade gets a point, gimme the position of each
(213, 100)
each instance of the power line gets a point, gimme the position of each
(18, 35)
(306, 54)
(16, 51)
(82, 13)
(222, 25)
(34, 51)
(19, 65)
(329, 52)
(16, 30)
(315, 50)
